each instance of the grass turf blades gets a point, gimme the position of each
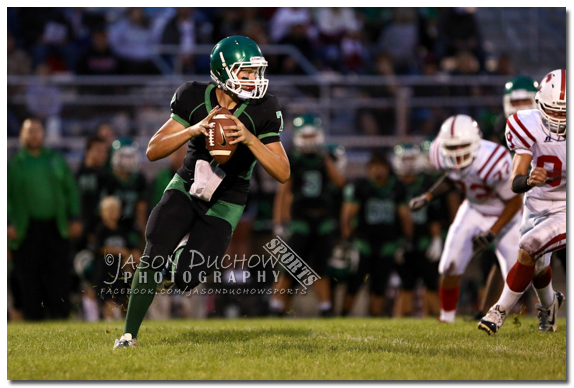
(298, 349)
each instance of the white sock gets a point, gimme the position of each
(545, 295)
(447, 316)
(276, 304)
(508, 298)
(91, 312)
(324, 306)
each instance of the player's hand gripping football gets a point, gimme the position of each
(240, 133)
(537, 177)
(201, 127)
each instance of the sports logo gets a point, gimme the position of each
(224, 143)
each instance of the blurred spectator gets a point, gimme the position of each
(99, 58)
(505, 66)
(284, 20)
(18, 61)
(91, 178)
(227, 22)
(181, 30)
(131, 38)
(106, 132)
(354, 53)
(43, 212)
(47, 32)
(373, 20)
(379, 121)
(426, 121)
(43, 99)
(458, 30)
(400, 39)
(427, 29)
(466, 65)
(333, 24)
(298, 36)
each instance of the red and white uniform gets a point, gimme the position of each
(543, 227)
(486, 183)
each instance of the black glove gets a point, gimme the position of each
(481, 241)
(419, 202)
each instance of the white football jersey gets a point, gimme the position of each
(525, 134)
(486, 181)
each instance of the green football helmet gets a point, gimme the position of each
(521, 88)
(125, 155)
(408, 159)
(309, 136)
(228, 57)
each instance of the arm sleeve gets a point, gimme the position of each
(180, 104)
(273, 122)
(518, 137)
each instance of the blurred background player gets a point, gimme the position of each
(307, 204)
(127, 183)
(422, 262)
(376, 217)
(490, 212)
(519, 94)
(114, 255)
(43, 215)
(91, 180)
(538, 137)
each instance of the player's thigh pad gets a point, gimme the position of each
(169, 221)
(541, 234)
(457, 250)
(204, 252)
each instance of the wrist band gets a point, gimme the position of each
(520, 184)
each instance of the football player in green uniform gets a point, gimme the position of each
(409, 166)
(127, 183)
(376, 215)
(239, 84)
(305, 202)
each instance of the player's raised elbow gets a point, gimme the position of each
(284, 176)
(150, 153)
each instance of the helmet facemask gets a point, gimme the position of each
(510, 101)
(309, 139)
(458, 155)
(554, 124)
(551, 102)
(407, 161)
(244, 89)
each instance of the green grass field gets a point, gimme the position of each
(301, 349)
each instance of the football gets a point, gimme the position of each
(217, 142)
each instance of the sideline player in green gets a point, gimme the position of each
(422, 263)
(237, 69)
(376, 216)
(305, 202)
